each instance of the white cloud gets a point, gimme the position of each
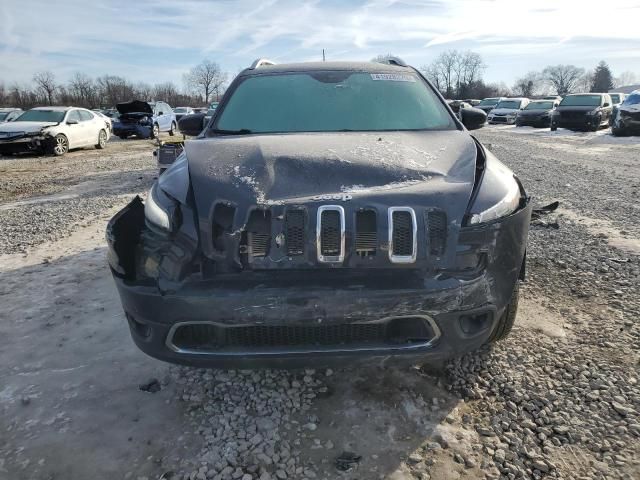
(162, 38)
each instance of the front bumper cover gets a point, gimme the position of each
(310, 297)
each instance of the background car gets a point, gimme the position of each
(181, 111)
(626, 119)
(107, 120)
(473, 102)
(210, 112)
(144, 119)
(506, 110)
(53, 130)
(582, 111)
(9, 114)
(488, 104)
(617, 98)
(457, 105)
(537, 113)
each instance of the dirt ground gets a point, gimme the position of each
(71, 406)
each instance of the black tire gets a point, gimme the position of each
(102, 140)
(59, 145)
(553, 128)
(123, 137)
(508, 318)
(617, 132)
(155, 131)
(172, 132)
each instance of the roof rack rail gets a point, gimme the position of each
(259, 62)
(394, 61)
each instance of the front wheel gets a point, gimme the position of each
(102, 140)
(617, 132)
(155, 131)
(173, 129)
(508, 318)
(60, 145)
(553, 128)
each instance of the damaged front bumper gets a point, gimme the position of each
(130, 129)
(25, 143)
(294, 318)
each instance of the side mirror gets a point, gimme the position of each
(606, 104)
(473, 118)
(72, 122)
(191, 125)
(160, 113)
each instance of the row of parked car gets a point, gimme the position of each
(55, 130)
(578, 111)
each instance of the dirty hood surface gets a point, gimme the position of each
(276, 169)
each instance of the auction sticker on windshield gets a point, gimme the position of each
(393, 77)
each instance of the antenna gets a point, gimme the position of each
(323, 59)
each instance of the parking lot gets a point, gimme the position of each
(559, 398)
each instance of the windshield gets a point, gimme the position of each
(333, 101)
(3, 115)
(181, 110)
(509, 104)
(581, 101)
(539, 106)
(632, 99)
(41, 116)
(488, 101)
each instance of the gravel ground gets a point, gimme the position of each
(559, 399)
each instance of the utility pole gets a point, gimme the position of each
(323, 59)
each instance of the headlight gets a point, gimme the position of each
(499, 194)
(144, 120)
(157, 208)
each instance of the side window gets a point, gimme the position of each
(74, 115)
(167, 108)
(85, 116)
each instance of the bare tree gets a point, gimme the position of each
(563, 78)
(529, 85)
(585, 81)
(82, 90)
(206, 78)
(626, 78)
(45, 82)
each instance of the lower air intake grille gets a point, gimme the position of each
(294, 231)
(366, 233)
(402, 225)
(437, 231)
(258, 244)
(211, 337)
(330, 233)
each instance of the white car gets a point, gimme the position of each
(53, 130)
(107, 120)
(506, 110)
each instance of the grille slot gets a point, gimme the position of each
(258, 233)
(402, 235)
(366, 233)
(330, 233)
(258, 244)
(437, 231)
(294, 231)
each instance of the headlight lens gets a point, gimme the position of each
(153, 209)
(499, 194)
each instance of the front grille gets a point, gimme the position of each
(366, 233)
(402, 226)
(573, 116)
(436, 231)
(499, 119)
(212, 337)
(294, 232)
(330, 233)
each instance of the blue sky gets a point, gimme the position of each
(159, 40)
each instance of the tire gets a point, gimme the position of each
(155, 131)
(102, 140)
(172, 132)
(123, 137)
(59, 145)
(508, 318)
(553, 128)
(617, 132)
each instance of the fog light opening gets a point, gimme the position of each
(141, 329)
(476, 323)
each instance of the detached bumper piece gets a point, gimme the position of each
(24, 143)
(182, 310)
(130, 129)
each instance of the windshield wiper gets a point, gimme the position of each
(242, 131)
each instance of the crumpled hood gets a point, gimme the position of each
(134, 106)
(26, 127)
(635, 108)
(504, 111)
(417, 168)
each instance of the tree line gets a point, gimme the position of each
(203, 83)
